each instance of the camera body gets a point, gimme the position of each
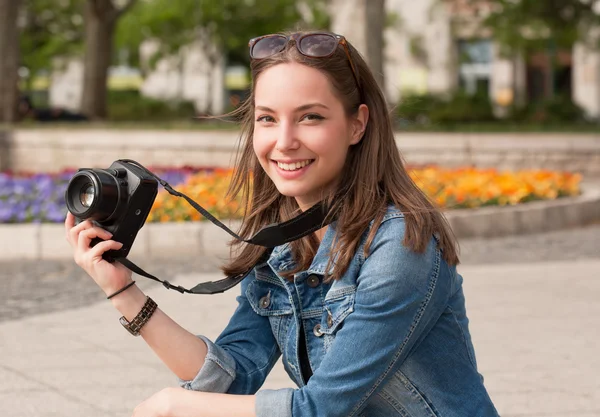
(117, 199)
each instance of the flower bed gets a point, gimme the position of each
(449, 188)
(471, 187)
(40, 197)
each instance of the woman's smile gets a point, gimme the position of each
(290, 170)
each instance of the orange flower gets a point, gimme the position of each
(448, 188)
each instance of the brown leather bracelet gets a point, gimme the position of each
(134, 326)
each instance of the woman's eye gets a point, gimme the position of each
(265, 119)
(313, 116)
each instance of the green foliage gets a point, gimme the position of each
(54, 28)
(228, 24)
(475, 113)
(463, 108)
(433, 109)
(528, 25)
(559, 109)
(416, 109)
(51, 29)
(129, 105)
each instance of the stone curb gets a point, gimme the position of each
(47, 241)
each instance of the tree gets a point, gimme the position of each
(228, 24)
(9, 62)
(375, 19)
(49, 32)
(100, 17)
(219, 27)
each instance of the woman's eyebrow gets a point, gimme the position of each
(297, 109)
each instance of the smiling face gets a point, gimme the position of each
(301, 131)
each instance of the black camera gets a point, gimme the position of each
(117, 199)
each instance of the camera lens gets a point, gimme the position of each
(87, 195)
(94, 194)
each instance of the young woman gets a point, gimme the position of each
(369, 312)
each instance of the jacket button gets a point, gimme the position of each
(313, 281)
(265, 301)
(317, 331)
(329, 320)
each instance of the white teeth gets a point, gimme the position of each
(293, 166)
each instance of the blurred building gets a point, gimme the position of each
(433, 46)
(191, 75)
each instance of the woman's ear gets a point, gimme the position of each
(359, 124)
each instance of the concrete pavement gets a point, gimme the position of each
(535, 327)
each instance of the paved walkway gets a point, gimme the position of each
(534, 326)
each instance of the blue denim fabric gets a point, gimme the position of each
(390, 338)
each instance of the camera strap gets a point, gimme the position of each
(210, 287)
(269, 236)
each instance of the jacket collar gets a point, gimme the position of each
(281, 257)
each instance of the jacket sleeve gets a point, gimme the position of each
(240, 359)
(396, 289)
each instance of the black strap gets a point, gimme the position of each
(211, 287)
(269, 236)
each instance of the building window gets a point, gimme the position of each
(475, 66)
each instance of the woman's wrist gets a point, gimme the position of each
(129, 302)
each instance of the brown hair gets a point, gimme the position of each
(373, 177)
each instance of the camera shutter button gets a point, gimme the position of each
(119, 173)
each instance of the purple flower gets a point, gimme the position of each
(41, 197)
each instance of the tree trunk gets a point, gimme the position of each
(100, 17)
(9, 61)
(374, 26)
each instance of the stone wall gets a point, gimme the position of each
(51, 150)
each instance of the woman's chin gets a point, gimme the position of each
(288, 192)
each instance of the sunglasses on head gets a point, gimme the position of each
(313, 45)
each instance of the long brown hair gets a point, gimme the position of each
(374, 176)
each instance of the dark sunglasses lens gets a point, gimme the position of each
(268, 46)
(318, 45)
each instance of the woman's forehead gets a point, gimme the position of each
(292, 84)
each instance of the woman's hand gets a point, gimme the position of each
(110, 277)
(179, 402)
(161, 404)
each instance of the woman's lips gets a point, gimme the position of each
(290, 175)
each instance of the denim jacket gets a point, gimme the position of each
(390, 338)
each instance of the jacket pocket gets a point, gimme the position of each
(338, 304)
(272, 301)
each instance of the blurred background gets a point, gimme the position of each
(496, 107)
(444, 64)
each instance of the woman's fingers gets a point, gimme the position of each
(74, 232)
(97, 251)
(69, 221)
(86, 236)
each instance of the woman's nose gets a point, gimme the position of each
(286, 138)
